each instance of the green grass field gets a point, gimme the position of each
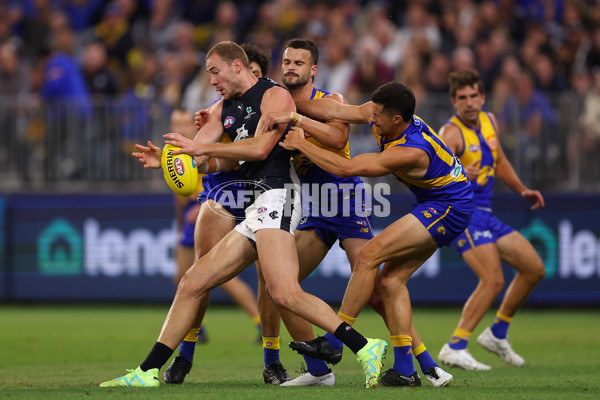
(64, 352)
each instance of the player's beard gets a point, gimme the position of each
(300, 82)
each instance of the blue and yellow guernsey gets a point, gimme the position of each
(309, 172)
(480, 145)
(445, 179)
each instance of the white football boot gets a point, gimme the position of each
(501, 347)
(438, 377)
(308, 379)
(461, 359)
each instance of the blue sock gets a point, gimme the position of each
(458, 343)
(271, 356)
(500, 328)
(426, 361)
(460, 339)
(403, 360)
(315, 366)
(186, 349)
(336, 343)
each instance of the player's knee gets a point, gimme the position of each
(537, 270)
(282, 298)
(365, 259)
(190, 287)
(493, 283)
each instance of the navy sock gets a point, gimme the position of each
(157, 357)
(351, 338)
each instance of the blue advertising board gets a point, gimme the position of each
(4, 283)
(121, 248)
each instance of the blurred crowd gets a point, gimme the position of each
(532, 55)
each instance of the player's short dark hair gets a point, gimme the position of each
(304, 44)
(396, 99)
(229, 52)
(463, 78)
(257, 55)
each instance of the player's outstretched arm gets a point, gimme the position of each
(369, 164)
(328, 109)
(254, 148)
(332, 133)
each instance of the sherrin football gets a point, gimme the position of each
(179, 171)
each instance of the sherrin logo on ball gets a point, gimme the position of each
(179, 171)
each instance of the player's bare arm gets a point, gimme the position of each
(506, 173)
(330, 110)
(411, 161)
(252, 149)
(452, 136)
(332, 134)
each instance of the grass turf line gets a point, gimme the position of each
(66, 351)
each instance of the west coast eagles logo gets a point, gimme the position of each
(461, 242)
(441, 230)
(228, 121)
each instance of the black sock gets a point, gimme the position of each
(157, 357)
(351, 338)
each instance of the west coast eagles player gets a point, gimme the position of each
(318, 231)
(472, 135)
(418, 157)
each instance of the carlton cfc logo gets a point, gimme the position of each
(228, 121)
(179, 167)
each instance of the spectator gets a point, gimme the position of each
(370, 71)
(336, 69)
(14, 93)
(99, 80)
(463, 58)
(537, 119)
(69, 108)
(590, 127)
(104, 89)
(546, 79)
(159, 28)
(35, 26)
(114, 32)
(83, 13)
(592, 59)
(14, 75)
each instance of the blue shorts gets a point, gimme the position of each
(223, 187)
(349, 222)
(445, 222)
(187, 235)
(484, 228)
